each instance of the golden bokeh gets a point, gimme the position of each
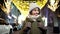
(23, 6)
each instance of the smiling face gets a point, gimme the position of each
(35, 11)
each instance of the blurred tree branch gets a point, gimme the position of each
(54, 6)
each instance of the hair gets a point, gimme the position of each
(33, 9)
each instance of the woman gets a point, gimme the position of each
(34, 22)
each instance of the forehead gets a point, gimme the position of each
(35, 8)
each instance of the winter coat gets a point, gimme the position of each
(34, 24)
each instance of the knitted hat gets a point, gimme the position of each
(32, 6)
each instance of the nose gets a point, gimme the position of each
(37, 11)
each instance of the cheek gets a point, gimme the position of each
(33, 12)
(37, 11)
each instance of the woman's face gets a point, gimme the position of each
(35, 11)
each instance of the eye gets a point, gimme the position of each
(34, 10)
